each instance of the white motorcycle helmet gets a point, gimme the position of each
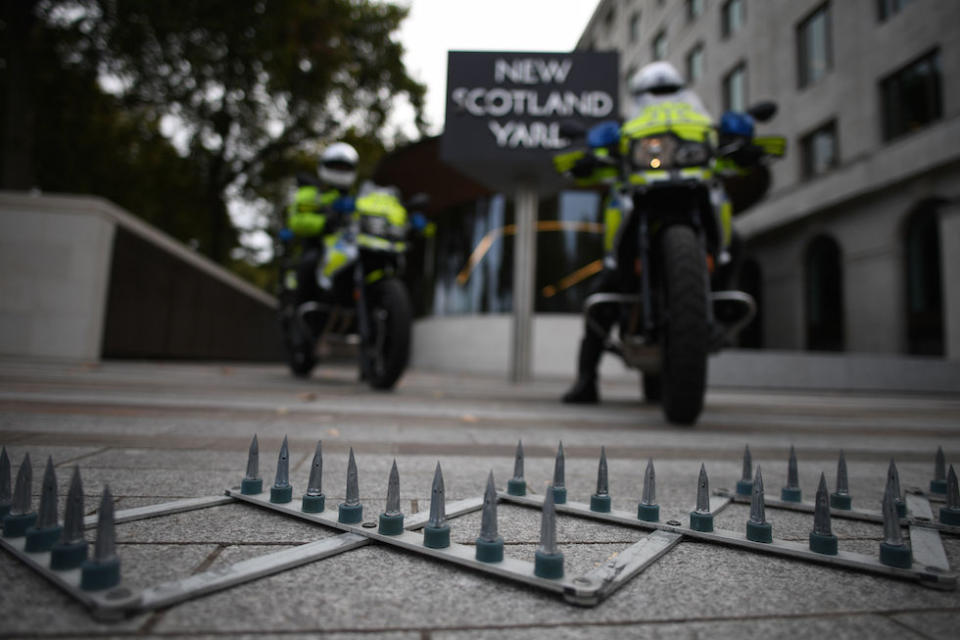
(656, 77)
(338, 165)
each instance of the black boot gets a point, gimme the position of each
(584, 390)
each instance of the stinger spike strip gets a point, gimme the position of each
(648, 510)
(103, 570)
(700, 518)
(745, 483)
(252, 483)
(489, 544)
(71, 551)
(893, 480)
(791, 492)
(6, 495)
(893, 552)
(600, 501)
(937, 485)
(517, 486)
(391, 520)
(282, 491)
(351, 511)
(436, 534)
(45, 533)
(841, 499)
(822, 539)
(950, 512)
(21, 517)
(758, 529)
(559, 487)
(548, 561)
(313, 500)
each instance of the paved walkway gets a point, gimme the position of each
(161, 431)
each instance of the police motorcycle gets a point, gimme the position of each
(363, 305)
(665, 170)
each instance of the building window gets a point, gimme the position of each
(635, 27)
(824, 295)
(660, 46)
(912, 97)
(695, 64)
(735, 89)
(886, 8)
(814, 53)
(694, 9)
(732, 17)
(924, 287)
(819, 150)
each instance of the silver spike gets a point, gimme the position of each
(283, 466)
(315, 484)
(793, 477)
(821, 509)
(649, 496)
(353, 484)
(747, 474)
(939, 468)
(548, 525)
(488, 516)
(703, 491)
(393, 491)
(22, 490)
(73, 513)
(891, 521)
(843, 486)
(518, 462)
(105, 548)
(558, 469)
(253, 460)
(5, 494)
(893, 479)
(757, 513)
(603, 485)
(953, 491)
(438, 507)
(47, 513)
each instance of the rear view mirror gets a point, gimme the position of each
(763, 111)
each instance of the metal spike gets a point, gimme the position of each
(353, 484)
(843, 487)
(518, 462)
(939, 468)
(488, 516)
(73, 513)
(821, 509)
(558, 469)
(757, 512)
(548, 525)
(393, 491)
(793, 477)
(315, 484)
(283, 466)
(953, 490)
(438, 507)
(603, 485)
(649, 496)
(893, 479)
(703, 491)
(105, 548)
(5, 494)
(891, 521)
(22, 490)
(747, 474)
(47, 517)
(253, 460)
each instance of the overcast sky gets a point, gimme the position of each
(437, 26)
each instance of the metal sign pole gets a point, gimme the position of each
(524, 274)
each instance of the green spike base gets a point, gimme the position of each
(559, 495)
(517, 487)
(281, 495)
(548, 565)
(896, 555)
(391, 524)
(15, 526)
(823, 543)
(901, 508)
(790, 494)
(701, 521)
(313, 504)
(350, 513)
(938, 486)
(841, 501)
(745, 488)
(950, 516)
(648, 512)
(68, 556)
(251, 486)
(42, 539)
(759, 532)
(436, 537)
(96, 576)
(490, 551)
(600, 504)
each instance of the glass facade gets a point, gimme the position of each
(820, 151)
(912, 97)
(813, 46)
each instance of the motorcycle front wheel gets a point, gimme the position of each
(391, 320)
(299, 347)
(686, 330)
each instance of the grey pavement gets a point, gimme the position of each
(161, 431)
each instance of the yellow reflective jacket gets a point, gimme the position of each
(306, 215)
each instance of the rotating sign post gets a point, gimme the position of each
(502, 129)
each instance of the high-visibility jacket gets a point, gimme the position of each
(307, 214)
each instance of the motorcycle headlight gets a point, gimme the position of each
(655, 152)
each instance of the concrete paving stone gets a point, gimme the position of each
(932, 624)
(837, 627)
(519, 524)
(38, 456)
(171, 460)
(158, 482)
